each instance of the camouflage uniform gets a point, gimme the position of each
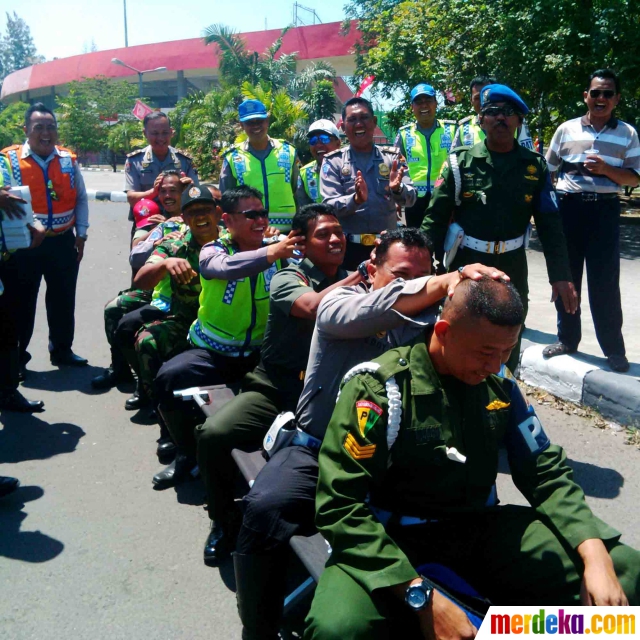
(163, 339)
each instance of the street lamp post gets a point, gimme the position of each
(138, 71)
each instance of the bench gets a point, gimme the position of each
(312, 551)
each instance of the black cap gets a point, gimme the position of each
(196, 194)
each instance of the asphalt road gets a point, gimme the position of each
(89, 551)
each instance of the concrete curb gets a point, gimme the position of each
(580, 379)
(109, 196)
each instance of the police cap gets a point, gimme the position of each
(252, 110)
(196, 194)
(493, 93)
(422, 90)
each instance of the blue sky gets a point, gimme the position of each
(63, 28)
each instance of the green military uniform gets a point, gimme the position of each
(161, 340)
(498, 194)
(433, 487)
(274, 386)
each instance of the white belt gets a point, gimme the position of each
(500, 246)
(367, 239)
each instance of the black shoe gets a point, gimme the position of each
(136, 401)
(557, 349)
(15, 401)
(67, 359)
(166, 450)
(620, 364)
(220, 543)
(178, 471)
(8, 485)
(111, 378)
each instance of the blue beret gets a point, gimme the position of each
(502, 93)
(422, 90)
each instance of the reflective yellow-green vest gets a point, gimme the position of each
(233, 313)
(161, 296)
(272, 176)
(425, 160)
(309, 175)
(469, 132)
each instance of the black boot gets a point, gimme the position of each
(116, 374)
(178, 471)
(221, 540)
(15, 401)
(139, 399)
(10, 398)
(166, 450)
(260, 591)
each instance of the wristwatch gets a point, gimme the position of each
(418, 596)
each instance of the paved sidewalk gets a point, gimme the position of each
(585, 377)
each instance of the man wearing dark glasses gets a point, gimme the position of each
(592, 157)
(324, 138)
(491, 191)
(235, 276)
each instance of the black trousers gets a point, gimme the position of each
(55, 260)
(592, 230)
(415, 215)
(355, 254)
(281, 503)
(9, 334)
(194, 368)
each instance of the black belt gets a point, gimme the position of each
(587, 196)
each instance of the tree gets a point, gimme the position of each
(11, 123)
(544, 49)
(17, 49)
(123, 137)
(82, 113)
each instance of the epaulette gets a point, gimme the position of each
(231, 149)
(467, 119)
(406, 126)
(448, 121)
(333, 154)
(136, 152)
(390, 149)
(186, 154)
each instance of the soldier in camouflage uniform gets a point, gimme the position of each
(161, 340)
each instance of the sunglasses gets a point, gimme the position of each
(499, 111)
(252, 214)
(324, 138)
(605, 93)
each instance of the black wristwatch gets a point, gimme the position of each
(419, 596)
(362, 270)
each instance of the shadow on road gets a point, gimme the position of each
(28, 546)
(63, 379)
(27, 437)
(598, 482)
(191, 493)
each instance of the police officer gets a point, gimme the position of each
(275, 384)
(264, 163)
(493, 190)
(364, 182)
(10, 398)
(407, 476)
(143, 168)
(235, 275)
(175, 259)
(323, 138)
(425, 144)
(470, 132)
(59, 201)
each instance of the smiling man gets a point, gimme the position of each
(364, 183)
(59, 201)
(143, 167)
(407, 477)
(592, 157)
(235, 275)
(323, 138)
(264, 163)
(491, 191)
(425, 144)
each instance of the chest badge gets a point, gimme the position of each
(528, 198)
(496, 405)
(384, 170)
(531, 169)
(346, 170)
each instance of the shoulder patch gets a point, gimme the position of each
(367, 413)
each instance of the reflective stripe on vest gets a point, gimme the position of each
(271, 176)
(425, 160)
(309, 175)
(232, 317)
(53, 190)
